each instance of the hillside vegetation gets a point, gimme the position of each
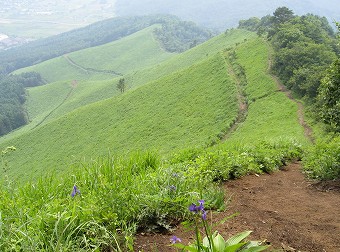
(165, 115)
(136, 51)
(48, 102)
(168, 114)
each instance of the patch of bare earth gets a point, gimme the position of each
(284, 208)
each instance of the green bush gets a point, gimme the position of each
(239, 160)
(322, 161)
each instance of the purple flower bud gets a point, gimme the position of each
(75, 191)
(193, 208)
(204, 215)
(173, 188)
(175, 239)
(201, 205)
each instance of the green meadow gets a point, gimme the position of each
(137, 51)
(180, 110)
(271, 115)
(137, 159)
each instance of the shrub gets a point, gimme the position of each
(322, 161)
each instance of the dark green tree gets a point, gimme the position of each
(121, 85)
(282, 15)
(328, 99)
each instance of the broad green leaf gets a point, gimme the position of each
(234, 248)
(237, 238)
(206, 242)
(219, 243)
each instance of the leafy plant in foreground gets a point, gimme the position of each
(214, 242)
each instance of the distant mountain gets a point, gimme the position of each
(222, 14)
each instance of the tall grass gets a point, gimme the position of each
(115, 197)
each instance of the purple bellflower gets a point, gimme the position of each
(175, 239)
(198, 208)
(75, 191)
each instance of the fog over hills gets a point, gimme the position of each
(22, 20)
(222, 14)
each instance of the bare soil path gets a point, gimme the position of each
(284, 208)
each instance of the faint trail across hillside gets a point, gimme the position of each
(308, 130)
(88, 70)
(285, 209)
(241, 99)
(73, 86)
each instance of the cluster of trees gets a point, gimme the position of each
(97, 34)
(304, 49)
(179, 36)
(12, 98)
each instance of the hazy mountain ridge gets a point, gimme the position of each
(225, 14)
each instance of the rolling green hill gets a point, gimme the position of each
(48, 102)
(203, 116)
(179, 110)
(114, 59)
(186, 101)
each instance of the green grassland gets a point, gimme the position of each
(59, 69)
(45, 99)
(182, 105)
(271, 115)
(136, 51)
(179, 110)
(191, 56)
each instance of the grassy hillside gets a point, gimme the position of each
(271, 115)
(191, 56)
(174, 114)
(48, 102)
(131, 53)
(136, 51)
(184, 109)
(179, 110)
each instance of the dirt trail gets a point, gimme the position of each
(308, 130)
(288, 211)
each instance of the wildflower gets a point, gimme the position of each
(75, 191)
(175, 239)
(194, 208)
(198, 208)
(172, 188)
(204, 214)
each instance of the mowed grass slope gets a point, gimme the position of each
(271, 114)
(48, 102)
(194, 55)
(130, 53)
(137, 51)
(178, 111)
